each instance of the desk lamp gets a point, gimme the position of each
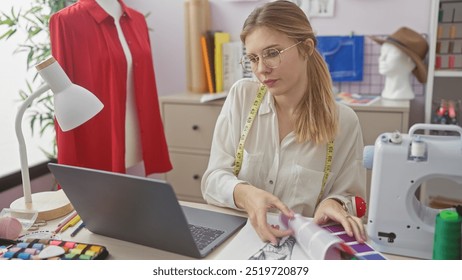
(74, 106)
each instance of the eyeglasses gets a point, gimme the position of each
(271, 57)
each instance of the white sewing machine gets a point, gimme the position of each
(398, 223)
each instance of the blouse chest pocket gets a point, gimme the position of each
(306, 189)
(251, 167)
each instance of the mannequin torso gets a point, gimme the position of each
(132, 134)
(397, 67)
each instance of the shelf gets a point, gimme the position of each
(449, 39)
(443, 81)
(448, 73)
(450, 22)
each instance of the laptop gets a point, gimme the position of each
(143, 210)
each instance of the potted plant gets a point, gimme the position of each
(34, 22)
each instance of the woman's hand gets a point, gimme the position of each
(331, 210)
(256, 203)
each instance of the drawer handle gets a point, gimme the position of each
(195, 127)
(196, 177)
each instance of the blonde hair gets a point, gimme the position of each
(316, 118)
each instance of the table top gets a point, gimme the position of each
(124, 250)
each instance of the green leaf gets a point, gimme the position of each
(45, 127)
(32, 124)
(34, 30)
(35, 10)
(23, 94)
(7, 21)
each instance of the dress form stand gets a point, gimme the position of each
(397, 68)
(133, 155)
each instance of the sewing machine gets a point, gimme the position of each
(398, 223)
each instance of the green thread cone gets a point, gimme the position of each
(447, 237)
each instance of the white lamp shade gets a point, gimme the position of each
(74, 105)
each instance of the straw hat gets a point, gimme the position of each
(414, 45)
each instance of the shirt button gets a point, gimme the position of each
(271, 182)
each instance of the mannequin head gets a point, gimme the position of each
(397, 68)
(393, 61)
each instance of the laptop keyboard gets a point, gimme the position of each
(203, 236)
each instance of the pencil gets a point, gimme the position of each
(68, 218)
(81, 226)
(65, 221)
(71, 223)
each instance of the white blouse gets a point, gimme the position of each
(292, 171)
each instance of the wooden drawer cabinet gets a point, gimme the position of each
(189, 127)
(187, 174)
(382, 116)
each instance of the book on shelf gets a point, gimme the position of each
(206, 58)
(232, 69)
(210, 39)
(356, 99)
(220, 39)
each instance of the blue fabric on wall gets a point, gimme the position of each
(344, 56)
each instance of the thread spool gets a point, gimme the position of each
(440, 14)
(440, 31)
(450, 47)
(447, 237)
(418, 148)
(438, 62)
(452, 29)
(452, 62)
(452, 32)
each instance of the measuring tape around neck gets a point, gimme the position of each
(248, 124)
(327, 167)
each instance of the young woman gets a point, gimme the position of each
(303, 151)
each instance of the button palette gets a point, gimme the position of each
(30, 250)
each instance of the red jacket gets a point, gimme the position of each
(85, 42)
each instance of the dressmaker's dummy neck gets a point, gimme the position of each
(112, 7)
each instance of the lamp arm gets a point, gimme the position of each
(22, 144)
